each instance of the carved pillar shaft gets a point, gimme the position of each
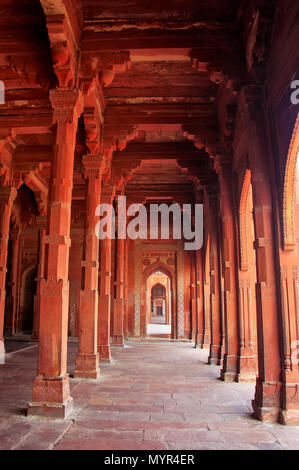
(193, 297)
(126, 289)
(215, 293)
(118, 311)
(51, 392)
(87, 360)
(7, 196)
(199, 299)
(266, 404)
(105, 286)
(206, 275)
(11, 315)
(229, 369)
(40, 275)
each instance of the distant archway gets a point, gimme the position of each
(28, 290)
(158, 296)
(170, 310)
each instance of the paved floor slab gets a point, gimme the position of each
(152, 396)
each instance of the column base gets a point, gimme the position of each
(104, 353)
(87, 366)
(221, 356)
(265, 413)
(206, 341)
(229, 369)
(246, 377)
(227, 376)
(51, 397)
(247, 367)
(214, 355)
(267, 400)
(2, 352)
(213, 361)
(198, 341)
(50, 410)
(289, 417)
(118, 340)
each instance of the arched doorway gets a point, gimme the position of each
(28, 290)
(247, 367)
(291, 193)
(164, 325)
(158, 305)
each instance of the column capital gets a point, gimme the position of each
(93, 165)
(67, 104)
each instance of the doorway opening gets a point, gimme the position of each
(158, 303)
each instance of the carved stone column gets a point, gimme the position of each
(108, 192)
(126, 289)
(87, 360)
(42, 221)
(215, 292)
(13, 297)
(199, 299)
(51, 391)
(193, 296)
(267, 401)
(118, 310)
(229, 369)
(206, 275)
(7, 196)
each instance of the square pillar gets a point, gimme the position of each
(215, 291)
(51, 392)
(104, 351)
(230, 360)
(42, 221)
(118, 302)
(87, 360)
(7, 196)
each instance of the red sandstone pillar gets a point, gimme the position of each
(7, 196)
(230, 361)
(199, 299)
(118, 310)
(11, 312)
(193, 296)
(215, 292)
(267, 401)
(40, 277)
(105, 286)
(126, 290)
(51, 391)
(87, 360)
(206, 274)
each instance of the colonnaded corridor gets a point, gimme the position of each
(154, 395)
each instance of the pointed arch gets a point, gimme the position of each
(244, 210)
(171, 274)
(289, 191)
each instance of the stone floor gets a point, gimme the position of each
(153, 396)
